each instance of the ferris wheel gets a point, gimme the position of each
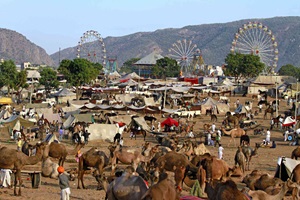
(92, 47)
(183, 52)
(257, 39)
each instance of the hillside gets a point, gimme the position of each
(213, 39)
(16, 47)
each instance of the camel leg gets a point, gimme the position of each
(18, 175)
(15, 184)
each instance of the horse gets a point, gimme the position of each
(150, 119)
(213, 118)
(269, 110)
(135, 132)
(208, 112)
(263, 102)
(276, 120)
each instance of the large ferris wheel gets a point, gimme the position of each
(257, 39)
(183, 52)
(91, 47)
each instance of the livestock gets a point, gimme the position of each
(240, 159)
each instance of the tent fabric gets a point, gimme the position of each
(288, 121)
(210, 101)
(120, 118)
(64, 93)
(285, 167)
(149, 101)
(170, 122)
(41, 111)
(37, 105)
(17, 122)
(88, 118)
(71, 119)
(222, 108)
(108, 131)
(180, 89)
(4, 114)
(240, 109)
(142, 123)
(6, 100)
(52, 117)
(51, 138)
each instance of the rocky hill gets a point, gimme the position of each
(16, 47)
(214, 40)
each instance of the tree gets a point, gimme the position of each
(79, 71)
(166, 67)
(243, 65)
(128, 66)
(289, 70)
(48, 79)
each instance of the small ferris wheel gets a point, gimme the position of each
(91, 47)
(257, 39)
(183, 52)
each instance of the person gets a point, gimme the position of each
(273, 145)
(286, 134)
(208, 138)
(260, 108)
(19, 144)
(86, 136)
(218, 137)
(77, 156)
(190, 134)
(280, 122)
(121, 142)
(268, 137)
(220, 151)
(213, 127)
(272, 124)
(63, 184)
(5, 178)
(158, 126)
(61, 133)
(245, 140)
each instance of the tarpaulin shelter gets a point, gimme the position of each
(120, 118)
(102, 132)
(285, 167)
(52, 117)
(5, 100)
(140, 121)
(240, 109)
(169, 122)
(16, 122)
(289, 121)
(208, 104)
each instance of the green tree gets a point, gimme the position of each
(128, 66)
(289, 70)
(166, 67)
(8, 74)
(48, 79)
(243, 65)
(79, 71)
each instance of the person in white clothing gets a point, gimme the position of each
(268, 137)
(213, 127)
(208, 138)
(5, 177)
(158, 126)
(220, 151)
(286, 134)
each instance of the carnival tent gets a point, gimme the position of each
(170, 122)
(289, 121)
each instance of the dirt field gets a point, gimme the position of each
(265, 161)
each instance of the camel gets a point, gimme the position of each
(233, 133)
(215, 168)
(49, 169)
(196, 160)
(251, 178)
(16, 160)
(127, 186)
(249, 152)
(262, 195)
(231, 119)
(163, 190)
(58, 150)
(27, 148)
(240, 159)
(296, 178)
(265, 181)
(296, 153)
(129, 156)
(201, 149)
(92, 158)
(226, 190)
(177, 163)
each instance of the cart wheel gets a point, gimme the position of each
(290, 138)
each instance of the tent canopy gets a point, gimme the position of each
(5, 100)
(285, 167)
(169, 122)
(288, 121)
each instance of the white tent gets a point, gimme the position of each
(102, 131)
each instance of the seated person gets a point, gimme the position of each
(273, 145)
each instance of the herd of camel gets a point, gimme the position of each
(148, 173)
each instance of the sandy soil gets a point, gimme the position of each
(265, 161)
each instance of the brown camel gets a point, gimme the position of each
(16, 160)
(296, 153)
(130, 156)
(163, 190)
(231, 119)
(59, 151)
(265, 181)
(249, 152)
(296, 178)
(240, 159)
(215, 168)
(213, 118)
(251, 178)
(92, 158)
(196, 160)
(233, 133)
(262, 195)
(227, 190)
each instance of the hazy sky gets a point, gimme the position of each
(54, 24)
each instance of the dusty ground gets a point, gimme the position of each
(265, 161)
